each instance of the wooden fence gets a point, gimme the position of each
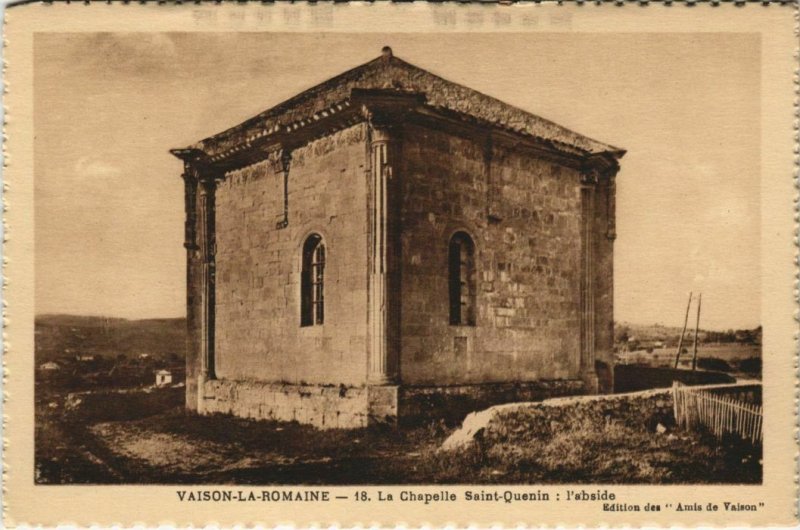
(720, 414)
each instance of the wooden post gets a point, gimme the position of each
(685, 321)
(675, 398)
(738, 418)
(760, 417)
(696, 329)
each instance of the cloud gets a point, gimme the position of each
(91, 167)
(110, 54)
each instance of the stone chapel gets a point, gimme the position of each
(389, 245)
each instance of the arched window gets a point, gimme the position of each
(312, 280)
(461, 274)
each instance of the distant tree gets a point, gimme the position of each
(623, 333)
(751, 365)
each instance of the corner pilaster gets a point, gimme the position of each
(603, 270)
(200, 184)
(190, 182)
(383, 265)
(207, 248)
(589, 179)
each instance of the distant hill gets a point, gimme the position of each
(623, 331)
(62, 336)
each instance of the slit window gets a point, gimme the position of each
(312, 303)
(461, 275)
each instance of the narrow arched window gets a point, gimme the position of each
(312, 280)
(461, 276)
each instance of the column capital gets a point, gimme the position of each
(382, 124)
(208, 185)
(589, 178)
(383, 133)
(280, 159)
(385, 110)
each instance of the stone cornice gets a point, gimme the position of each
(381, 108)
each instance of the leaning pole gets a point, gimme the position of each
(696, 331)
(685, 321)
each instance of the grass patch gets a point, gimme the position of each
(596, 452)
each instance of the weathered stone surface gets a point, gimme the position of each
(325, 407)
(528, 263)
(382, 401)
(258, 332)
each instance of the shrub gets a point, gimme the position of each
(713, 363)
(101, 406)
(751, 365)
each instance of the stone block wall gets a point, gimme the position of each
(527, 261)
(258, 266)
(325, 407)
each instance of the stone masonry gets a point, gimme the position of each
(378, 171)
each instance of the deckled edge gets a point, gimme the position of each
(4, 236)
(796, 232)
(400, 525)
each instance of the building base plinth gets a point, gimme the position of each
(591, 382)
(382, 401)
(332, 407)
(324, 407)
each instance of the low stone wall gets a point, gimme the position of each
(631, 378)
(325, 407)
(645, 409)
(535, 419)
(452, 403)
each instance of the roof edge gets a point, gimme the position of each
(269, 121)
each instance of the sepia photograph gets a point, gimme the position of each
(397, 258)
(400, 265)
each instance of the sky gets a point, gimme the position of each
(686, 107)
